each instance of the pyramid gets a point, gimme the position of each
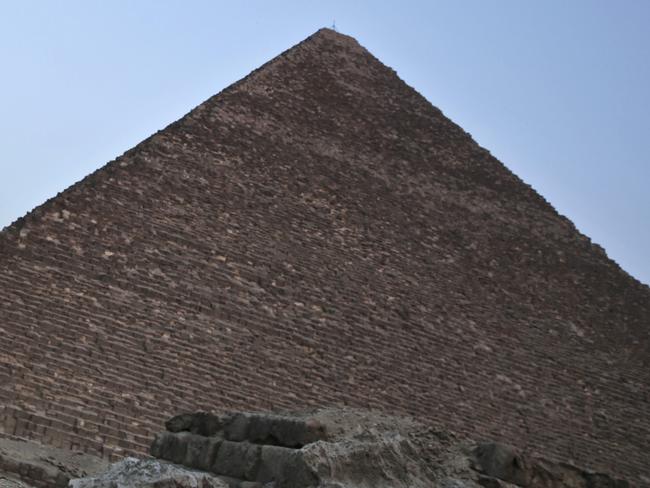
(318, 234)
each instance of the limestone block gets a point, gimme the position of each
(148, 473)
(286, 467)
(501, 461)
(170, 447)
(201, 423)
(237, 459)
(272, 429)
(201, 452)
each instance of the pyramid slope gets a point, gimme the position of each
(319, 234)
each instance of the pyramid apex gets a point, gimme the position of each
(330, 34)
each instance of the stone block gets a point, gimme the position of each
(273, 430)
(237, 459)
(201, 452)
(159, 439)
(180, 423)
(286, 467)
(501, 461)
(236, 427)
(170, 447)
(272, 462)
(201, 423)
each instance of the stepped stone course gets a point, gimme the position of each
(319, 234)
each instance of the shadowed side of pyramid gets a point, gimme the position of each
(319, 234)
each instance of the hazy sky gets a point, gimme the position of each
(558, 90)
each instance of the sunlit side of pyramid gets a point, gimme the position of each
(318, 234)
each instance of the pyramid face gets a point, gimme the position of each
(318, 234)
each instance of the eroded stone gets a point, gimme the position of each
(149, 473)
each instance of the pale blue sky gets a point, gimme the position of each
(558, 90)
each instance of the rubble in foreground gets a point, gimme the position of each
(331, 449)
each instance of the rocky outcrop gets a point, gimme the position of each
(500, 465)
(335, 449)
(24, 463)
(7, 482)
(149, 473)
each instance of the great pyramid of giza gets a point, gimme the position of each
(318, 234)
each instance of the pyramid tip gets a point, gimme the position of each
(332, 34)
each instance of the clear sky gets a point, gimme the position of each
(558, 90)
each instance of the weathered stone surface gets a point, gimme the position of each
(273, 429)
(184, 448)
(201, 423)
(598, 480)
(149, 473)
(201, 452)
(43, 466)
(237, 459)
(159, 445)
(171, 446)
(272, 462)
(542, 473)
(180, 423)
(287, 467)
(10, 482)
(366, 449)
(236, 428)
(319, 233)
(501, 465)
(501, 461)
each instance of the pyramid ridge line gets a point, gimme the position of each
(323, 33)
(35, 212)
